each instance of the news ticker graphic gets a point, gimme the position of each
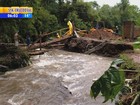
(16, 12)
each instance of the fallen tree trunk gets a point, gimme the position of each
(47, 34)
(44, 44)
(98, 47)
(37, 52)
(88, 46)
(3, 68)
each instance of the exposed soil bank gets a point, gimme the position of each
(12, 57)
(103, 34)
(84, 44)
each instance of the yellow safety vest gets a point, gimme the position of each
(70, 28)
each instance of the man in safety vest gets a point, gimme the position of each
(70, 28)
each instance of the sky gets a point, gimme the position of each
(113, 2)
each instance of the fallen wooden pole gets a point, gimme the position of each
(44, 44)
(3, 68)
(98, 47)
(47, 34)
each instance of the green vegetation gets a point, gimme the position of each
(136, 44)
(129, 64)
(50, 15)
(112, 83)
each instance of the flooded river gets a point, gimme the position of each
(54, 78)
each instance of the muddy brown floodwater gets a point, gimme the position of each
(54, 78)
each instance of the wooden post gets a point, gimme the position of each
(73, 26)
(40, 40)
(60, 32)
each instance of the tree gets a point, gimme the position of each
(105, 14)
(52, 14)
(124, 5)
(72, 16)
(116, 17)
(74, 1)
(60, 2)
(133, 13)
(44, 21)
(95, 5)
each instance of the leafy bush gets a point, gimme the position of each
(110, 83)
(128, 64)
(136, 45)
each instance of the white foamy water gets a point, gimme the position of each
(15, 99)
(51, 77)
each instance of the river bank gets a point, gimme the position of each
(12, 57)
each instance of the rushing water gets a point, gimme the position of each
(54, 78)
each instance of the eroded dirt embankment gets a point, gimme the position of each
(12, 57)
(101, 47)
